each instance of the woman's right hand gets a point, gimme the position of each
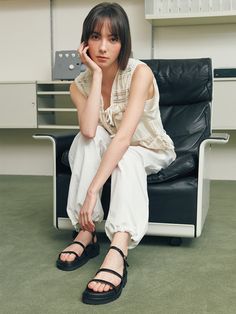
(83, 49)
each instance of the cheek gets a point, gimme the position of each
(91, 47)
(117, 49)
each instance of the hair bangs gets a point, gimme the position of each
(118, 24)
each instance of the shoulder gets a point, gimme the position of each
(83, 77)
(143, 69)
(137, 66)
(142, 73)
(83, 81)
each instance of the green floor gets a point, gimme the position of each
(198, 277)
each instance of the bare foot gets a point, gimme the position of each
(85, 238)
(114, 261)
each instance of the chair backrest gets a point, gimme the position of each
(185, 87)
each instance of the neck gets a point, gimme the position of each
(109, 73)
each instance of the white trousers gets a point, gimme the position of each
(128, 211)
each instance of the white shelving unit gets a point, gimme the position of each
(54, 106)
(18, 105)
(224, 100)
(190, 12)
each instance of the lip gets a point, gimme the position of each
(102, 58)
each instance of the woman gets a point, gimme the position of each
(121, 135)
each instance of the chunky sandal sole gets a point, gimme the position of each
(90, 251)
(91, 297)
(77, 263)
(101, 298)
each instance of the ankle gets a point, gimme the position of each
(85, 236)
(121, 240)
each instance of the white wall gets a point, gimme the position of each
(68, 17)
(20, 154)
(25, 55)
(222, 165)
(25, 52)
(215, 41)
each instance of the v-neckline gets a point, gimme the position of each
(112, 88)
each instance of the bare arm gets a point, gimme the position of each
(88, 108)
(140, 90)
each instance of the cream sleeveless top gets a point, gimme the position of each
(149, 132)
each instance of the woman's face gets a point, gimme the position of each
(104, 47)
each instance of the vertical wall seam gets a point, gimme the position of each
(51, 36)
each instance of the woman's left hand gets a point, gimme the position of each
(85, 216)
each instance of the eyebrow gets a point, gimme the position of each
(98, 33)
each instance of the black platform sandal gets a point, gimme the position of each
(90, 251)
(91, 297)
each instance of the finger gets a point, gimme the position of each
(91, 224)
(81, 46)
(88, 225)
(85, 54)
(86, 48)
(82, 220)
(83, 58)
(80, 50)
(79, 219)
(85, 220)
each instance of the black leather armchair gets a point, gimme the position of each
(179, 194)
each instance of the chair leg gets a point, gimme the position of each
(175, 241)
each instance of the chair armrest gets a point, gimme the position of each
(61, 142)
(217, 138)
(203, 177)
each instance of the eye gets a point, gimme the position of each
(114, 39)
(94, 36)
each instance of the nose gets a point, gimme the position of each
(103, 46)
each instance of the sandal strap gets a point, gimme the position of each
(121, 253)
(69, 252)
(72, 252)
(109, 271)
(93, 236)
(103, 281)
(78, 242)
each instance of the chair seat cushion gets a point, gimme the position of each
(173, 202)
(183, 166)
(65, 158)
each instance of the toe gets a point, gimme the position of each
(96, 286)
(91, 284)
(106, 288)
(64, 257)
(70, 257)
(101, 287)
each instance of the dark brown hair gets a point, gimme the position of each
(119, 24)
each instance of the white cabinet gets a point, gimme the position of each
(224, 104)
(18, 105)
(47, 105)
(54, 106)
(190, 12)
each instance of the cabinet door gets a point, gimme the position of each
(18, 105)
(224, 108)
